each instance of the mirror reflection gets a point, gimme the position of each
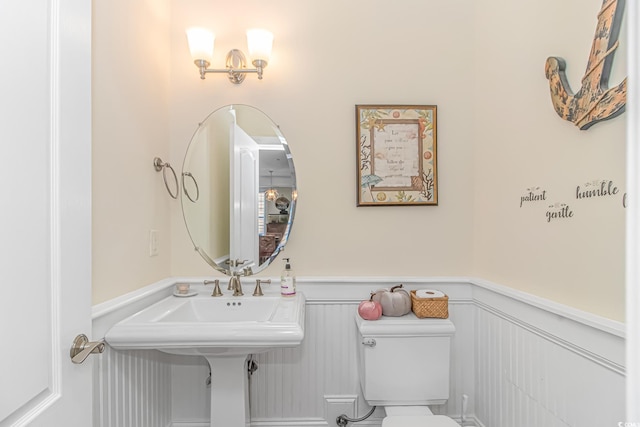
(239, 190)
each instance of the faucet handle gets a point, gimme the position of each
(236, 262)
(236, 285)
(216, 288)
(258, 290)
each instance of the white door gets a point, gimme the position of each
(244, 204)
(45, 211)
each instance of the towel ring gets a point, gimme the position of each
(159, 165)
(184, 187)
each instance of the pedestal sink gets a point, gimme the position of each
(224, 330)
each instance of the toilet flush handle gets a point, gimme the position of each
(369, 342)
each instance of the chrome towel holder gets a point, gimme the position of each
(159, 165)
(184, 187)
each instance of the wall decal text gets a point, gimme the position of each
(533, 194)
(559, 211)
(597, 188)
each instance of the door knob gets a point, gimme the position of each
(82, 348)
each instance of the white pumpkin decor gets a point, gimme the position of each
(395, 302)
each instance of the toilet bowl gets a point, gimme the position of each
(415, 416)
(403, 364)
(419, 421)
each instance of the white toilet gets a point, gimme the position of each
(404, 367)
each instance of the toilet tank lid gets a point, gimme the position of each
(419, 421)
(407, 325)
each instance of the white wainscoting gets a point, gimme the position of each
(521, 360)
(132, 389)
(538, 364)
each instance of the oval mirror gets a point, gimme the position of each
(239, 190)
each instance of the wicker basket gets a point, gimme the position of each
(430, 307)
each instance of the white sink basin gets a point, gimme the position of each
(223, 310)
(206, 325)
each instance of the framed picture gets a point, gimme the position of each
(396, 155)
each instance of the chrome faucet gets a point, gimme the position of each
(235, 268)
(236, 285)
(258, 290)
(216, 289)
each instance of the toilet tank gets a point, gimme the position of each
(404, 360)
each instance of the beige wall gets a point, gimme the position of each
(328, 57)
(522, 143)
(130, 127)
(497, 136)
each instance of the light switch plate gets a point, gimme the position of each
(153, 242)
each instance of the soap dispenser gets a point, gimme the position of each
(287, 280)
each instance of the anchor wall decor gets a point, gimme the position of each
(595, 101)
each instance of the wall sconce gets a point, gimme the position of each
(201, 47)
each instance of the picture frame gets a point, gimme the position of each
(396, 148)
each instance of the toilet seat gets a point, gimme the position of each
(419, 421)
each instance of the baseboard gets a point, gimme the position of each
(288, 422)
(471, 421)
(191, 424)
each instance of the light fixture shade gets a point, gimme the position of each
(271, 194)
(201, 44)
(260, 43)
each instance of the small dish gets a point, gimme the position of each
(188, 294)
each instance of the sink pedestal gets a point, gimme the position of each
(229, 405)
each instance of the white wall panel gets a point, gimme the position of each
(132, 389)
(530, 378)
(292, 383)
(522, 361)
